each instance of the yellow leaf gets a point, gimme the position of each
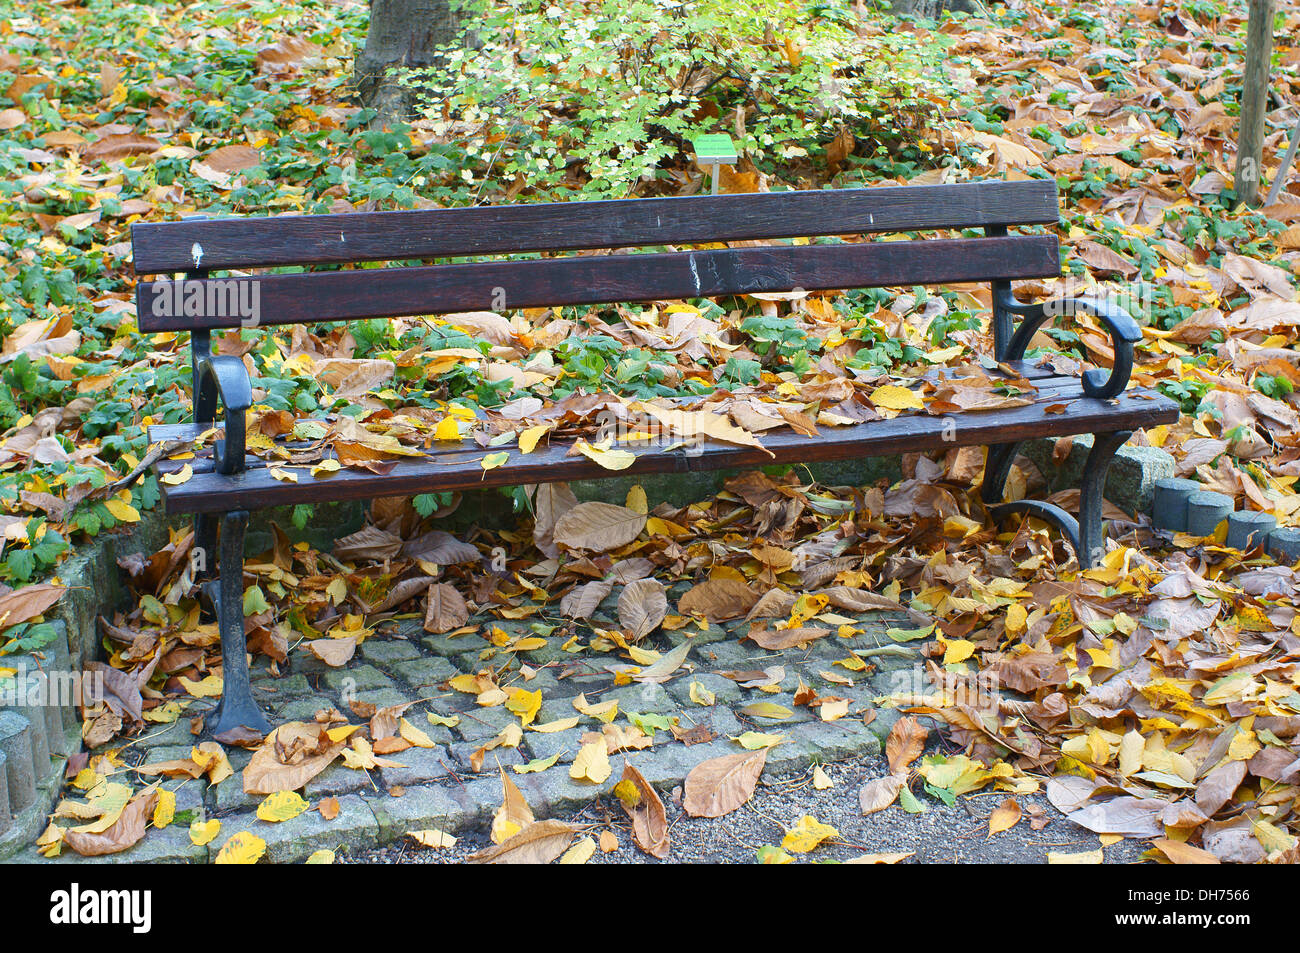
(414, 735)
(525, 704)
(243, 848)
(807, 834)
(1004, 817)
(447, 429)
(281, 806)
(580, 852)
(753, 740)
(432, 838)
(321, 857)
(1082, 857)
(164, 810)
(326, 467)
(560, 724)
(209, 687)
(203, 832)
(701, 695)
(494, 460)
(609, 459)
(821, 780)
(591, 763)
(528, 439)
(958, 650)
(893, 397)
(179, 477)
(767, 710)
(602, 711)
(440, 721)
(122, 512)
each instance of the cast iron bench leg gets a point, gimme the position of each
(1084, 533)
(237, 707)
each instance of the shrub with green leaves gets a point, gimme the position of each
(594, 97)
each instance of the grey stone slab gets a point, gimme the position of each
(355, 828)
(449, 647)
(301, 709)
(16, 744)
(229, 796)
(562, 743)
(268, 690)
(641, 698)
(383, 653)
(553, 791)
(451, 808)
(171, 845)
(667, 765)
(357, 678)
(424, 673)
(480, 724)
(337, 779)
(463, 751)
(692, 634)
(418, 766)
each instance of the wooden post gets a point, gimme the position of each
(1254, 101)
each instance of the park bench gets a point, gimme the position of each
(227, 483)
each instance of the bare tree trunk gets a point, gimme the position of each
(402, 34)
(1254, 102)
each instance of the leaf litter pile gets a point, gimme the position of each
(1155, 697)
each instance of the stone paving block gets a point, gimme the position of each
(724, 690)
(449, 647)
(16, 744)
(301, 709)
(384, 653)
(481, 724)
(177, 734)
(564, 743)
(269, 690)
(463, 751)
(358, 678)
(697, 637)
(423, 673)
(337, 779)
(665, 766)
(171, 845)
(418, 766)
(229, 796)
(354, 829)
(552, 791)
(645, 698)
(451, 808)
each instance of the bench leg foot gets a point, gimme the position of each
(237, 708)
(1084, 534)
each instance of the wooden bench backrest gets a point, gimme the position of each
(200, 247)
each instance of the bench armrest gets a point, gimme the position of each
(223, 377)
(1124, 332)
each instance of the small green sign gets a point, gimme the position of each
(715, 148)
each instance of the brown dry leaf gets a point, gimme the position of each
(445, 609)
(641, 607)
(333, 652)
(329, 808)
(878, 794)
(125, 832)
(905, 743)
(581, 601)
(779, 639)
(1181, 853)
(720, 785)
(649, 820)
(597, 526)
(28, 602)
(289, 757)
(538, 843)
(718, 600)
(1004, 817)
(513, 815)
(551, 502)
(235, 158)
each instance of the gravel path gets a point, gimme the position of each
(942, 835)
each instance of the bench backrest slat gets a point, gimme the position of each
(256, 242)
(440, 289)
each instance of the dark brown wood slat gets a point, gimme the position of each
(441, 289)
(256, 489)
(220, 244)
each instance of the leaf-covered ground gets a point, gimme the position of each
(1159, 692)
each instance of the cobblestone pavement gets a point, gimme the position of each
(438, 787)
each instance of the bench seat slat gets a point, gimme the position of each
(267, 241)
(441, 289)
(256, 488)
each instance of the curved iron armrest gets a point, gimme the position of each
(1124, 331)
(224, 377)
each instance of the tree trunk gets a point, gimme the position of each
(401, 34)
(1254, 102)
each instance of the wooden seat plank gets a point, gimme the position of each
(225, 243)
